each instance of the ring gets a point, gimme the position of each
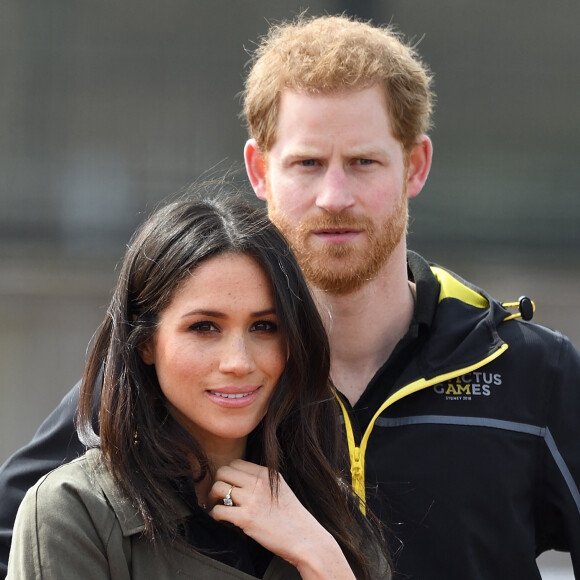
(228, 498)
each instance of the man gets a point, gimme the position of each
(461, 419)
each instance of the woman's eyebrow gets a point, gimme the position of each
(218, 314)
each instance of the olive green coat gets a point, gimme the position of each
(74, 523)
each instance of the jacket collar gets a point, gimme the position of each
(129, 518)
(462, 317)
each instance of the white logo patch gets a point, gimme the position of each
(469, 386)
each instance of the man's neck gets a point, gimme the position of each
(365, 326)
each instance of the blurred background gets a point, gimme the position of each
(107, 108)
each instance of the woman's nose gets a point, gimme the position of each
(236, 357)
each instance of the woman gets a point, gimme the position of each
(219, 448)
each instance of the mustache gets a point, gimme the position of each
(330, 221)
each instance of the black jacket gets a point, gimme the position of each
(465, 443)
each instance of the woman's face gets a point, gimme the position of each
(218, 350)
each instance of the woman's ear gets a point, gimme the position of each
(256, 169)
(147, 352)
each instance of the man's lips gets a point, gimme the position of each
(337, 234)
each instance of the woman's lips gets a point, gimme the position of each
(230, 396)
(234, 397)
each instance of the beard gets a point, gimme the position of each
(340, 269)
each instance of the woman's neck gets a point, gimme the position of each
(218, 454)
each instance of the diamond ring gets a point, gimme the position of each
(228, 498)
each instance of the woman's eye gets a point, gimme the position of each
(205, 326)
(264, 326)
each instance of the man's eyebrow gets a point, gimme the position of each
(364, 152)
(302, 152)
(306, 152)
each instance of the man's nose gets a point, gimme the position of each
(237, 357)
(335, 194)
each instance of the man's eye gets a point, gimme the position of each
(365, 161)
(308, 162)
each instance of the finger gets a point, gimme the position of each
(241, 472)
(222, 493)
(247, 466)
(249, 481)
(222, 513)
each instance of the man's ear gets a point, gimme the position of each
(420, 159)
(256, 169)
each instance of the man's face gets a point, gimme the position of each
(336, 185)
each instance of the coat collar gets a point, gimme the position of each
(130, 520)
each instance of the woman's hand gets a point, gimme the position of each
(281, 524)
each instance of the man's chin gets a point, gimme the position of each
(335, 287)
(334, 276)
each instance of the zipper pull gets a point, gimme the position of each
(525, 306)
(358, 477)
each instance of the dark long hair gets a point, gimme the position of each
(300, 433)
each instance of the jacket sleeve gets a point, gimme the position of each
(62, 530)
(560, 493)
(54, 443)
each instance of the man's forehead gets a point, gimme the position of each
(359, 119)
(291, 98)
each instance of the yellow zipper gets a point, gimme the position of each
(357, 454)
